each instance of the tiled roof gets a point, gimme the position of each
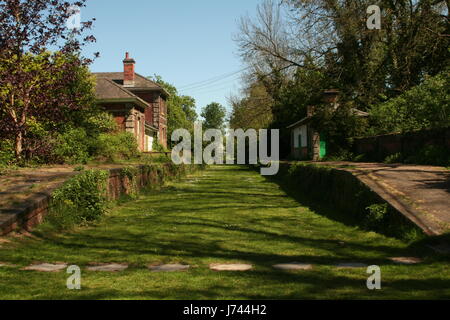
(139, 81)
(107, 89)
(305, 120)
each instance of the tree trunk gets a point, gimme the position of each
(18, 146)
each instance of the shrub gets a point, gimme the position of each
(394, 158)
(80, 199)
(6, 153)
(73, 146)
(157, 147)
(115, 146)
(431, 155)
(376, 215)
(423, 107)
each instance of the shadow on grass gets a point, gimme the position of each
(221, 219)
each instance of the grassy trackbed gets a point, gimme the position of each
(223, 214)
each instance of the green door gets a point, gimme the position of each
(323, 147)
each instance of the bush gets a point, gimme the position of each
(157, 147)
(423, 107)
(394, 158)
(376, 215)
(80, 199)
(431, 155)
(344, 155)
(6, 153)
(73, 146)
(115, 146)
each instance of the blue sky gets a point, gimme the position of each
(183, 41)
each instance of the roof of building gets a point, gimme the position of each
(300, 122)
(140, 82)
(305, 120)
(109, 91)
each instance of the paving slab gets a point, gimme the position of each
(346, 265)
(406, 260)
(169, 268)
(293, 266)
(108, 267)
(7, 265)
(230, 267)
(46, 267)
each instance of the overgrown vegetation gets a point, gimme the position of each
(295, 50)
(84, 199)
(81, 199)
(425, 106)
(230, 214)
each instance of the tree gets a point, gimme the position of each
(298, 48)
(35, 83)
(253, 110)
(369, 66)
(214, 116)
(423, 107)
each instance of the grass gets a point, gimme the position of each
(224, 214)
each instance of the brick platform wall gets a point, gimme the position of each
(379, 147)
(28, 217)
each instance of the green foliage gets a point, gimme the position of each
(351, 201)
(115, 146)
(376, 214)
(6, 153)
(423, 107)
(129, 172)
(394, 158)
(181, 112)
(49, 92)
(80, 199)
(431, 155)
(158, 147)
(73, 146)
(253, 110)
(338, 127)
(95, 137)
(214, 116)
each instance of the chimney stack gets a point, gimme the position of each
(128, 71)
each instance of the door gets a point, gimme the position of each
(323, 147)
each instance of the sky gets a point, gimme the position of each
(185, 42)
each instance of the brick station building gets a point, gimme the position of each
(138, 104)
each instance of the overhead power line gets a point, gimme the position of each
(212, 90)
(211, 86)
(211, 80)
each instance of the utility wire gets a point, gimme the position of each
(214, 90)
(211, 80)
(210, 86)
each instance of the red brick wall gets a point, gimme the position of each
(118, 184)
(163, 121)
(379, 147)
(152, 99)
